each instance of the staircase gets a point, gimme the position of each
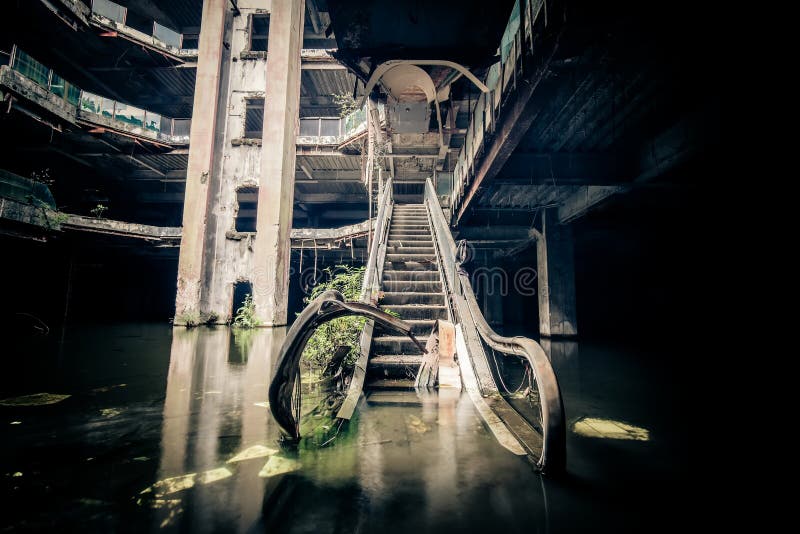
(412, 287)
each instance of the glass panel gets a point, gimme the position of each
(510, 33)
(164, 34)
(107, 108)
(91, 103)
(30, 68)
(354, 120)
(73, 94)
(165, 126)
(109, 10)
(309, 127)
(181, 127)
(57, 85)
(129, 115)
(152, 122)
(329, 127)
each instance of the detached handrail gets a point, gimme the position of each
(326, 307)
(552, 458)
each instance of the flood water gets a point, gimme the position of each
(154, 416)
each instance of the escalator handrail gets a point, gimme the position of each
(382, 218)
(553, 455)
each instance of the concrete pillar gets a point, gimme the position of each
(555, 260)
(276, 188)
(201, 161)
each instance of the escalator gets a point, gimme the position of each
(414, 278)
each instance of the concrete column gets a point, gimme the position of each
(201, 161)
(276, 188)
(555, 260)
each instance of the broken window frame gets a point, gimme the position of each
(251, 26)
(251, 226)
(251, 104)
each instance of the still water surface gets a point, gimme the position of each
(154, 416)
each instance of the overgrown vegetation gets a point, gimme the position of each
(246, 315)
(189, 319)
(347, 104)
(341, 332)
(98, 211)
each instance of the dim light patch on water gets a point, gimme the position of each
(592, 427)
(256, 451)
(110, 412)
(278, 465)
(37, 399)
(171, 485)
(415, 424)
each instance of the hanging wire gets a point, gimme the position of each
(500, 375)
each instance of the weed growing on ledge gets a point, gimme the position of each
(246, 315)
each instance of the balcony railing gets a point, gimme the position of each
(501, 81)
(117, 14)
(98, 109)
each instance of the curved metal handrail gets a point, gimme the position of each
(552, 458)
(328, 306)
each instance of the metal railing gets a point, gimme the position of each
(136, 120)
(43, 76)
(549, 455)
(143, 122)
(501, 81)
(334, 130)
(119, 14)
(370, 289)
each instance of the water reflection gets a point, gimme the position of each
(215, 407)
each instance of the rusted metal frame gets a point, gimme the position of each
(328, 306)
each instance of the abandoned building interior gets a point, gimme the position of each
(504, 194)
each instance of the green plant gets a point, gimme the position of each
(98, 211)
(347, 104)
(43, 177)
(246, 315)
(188, 319)
(341, 332)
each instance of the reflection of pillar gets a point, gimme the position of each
(200, 168)
(276, 188)
(556, 273)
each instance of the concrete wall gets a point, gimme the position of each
(230, 254)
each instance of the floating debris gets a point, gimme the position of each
(591, 427)
(140, 459)
(278, 465)
(17, 474)
(15, 423)
(415, 424)
(256, 451)
(37, 399)
(110, 412)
